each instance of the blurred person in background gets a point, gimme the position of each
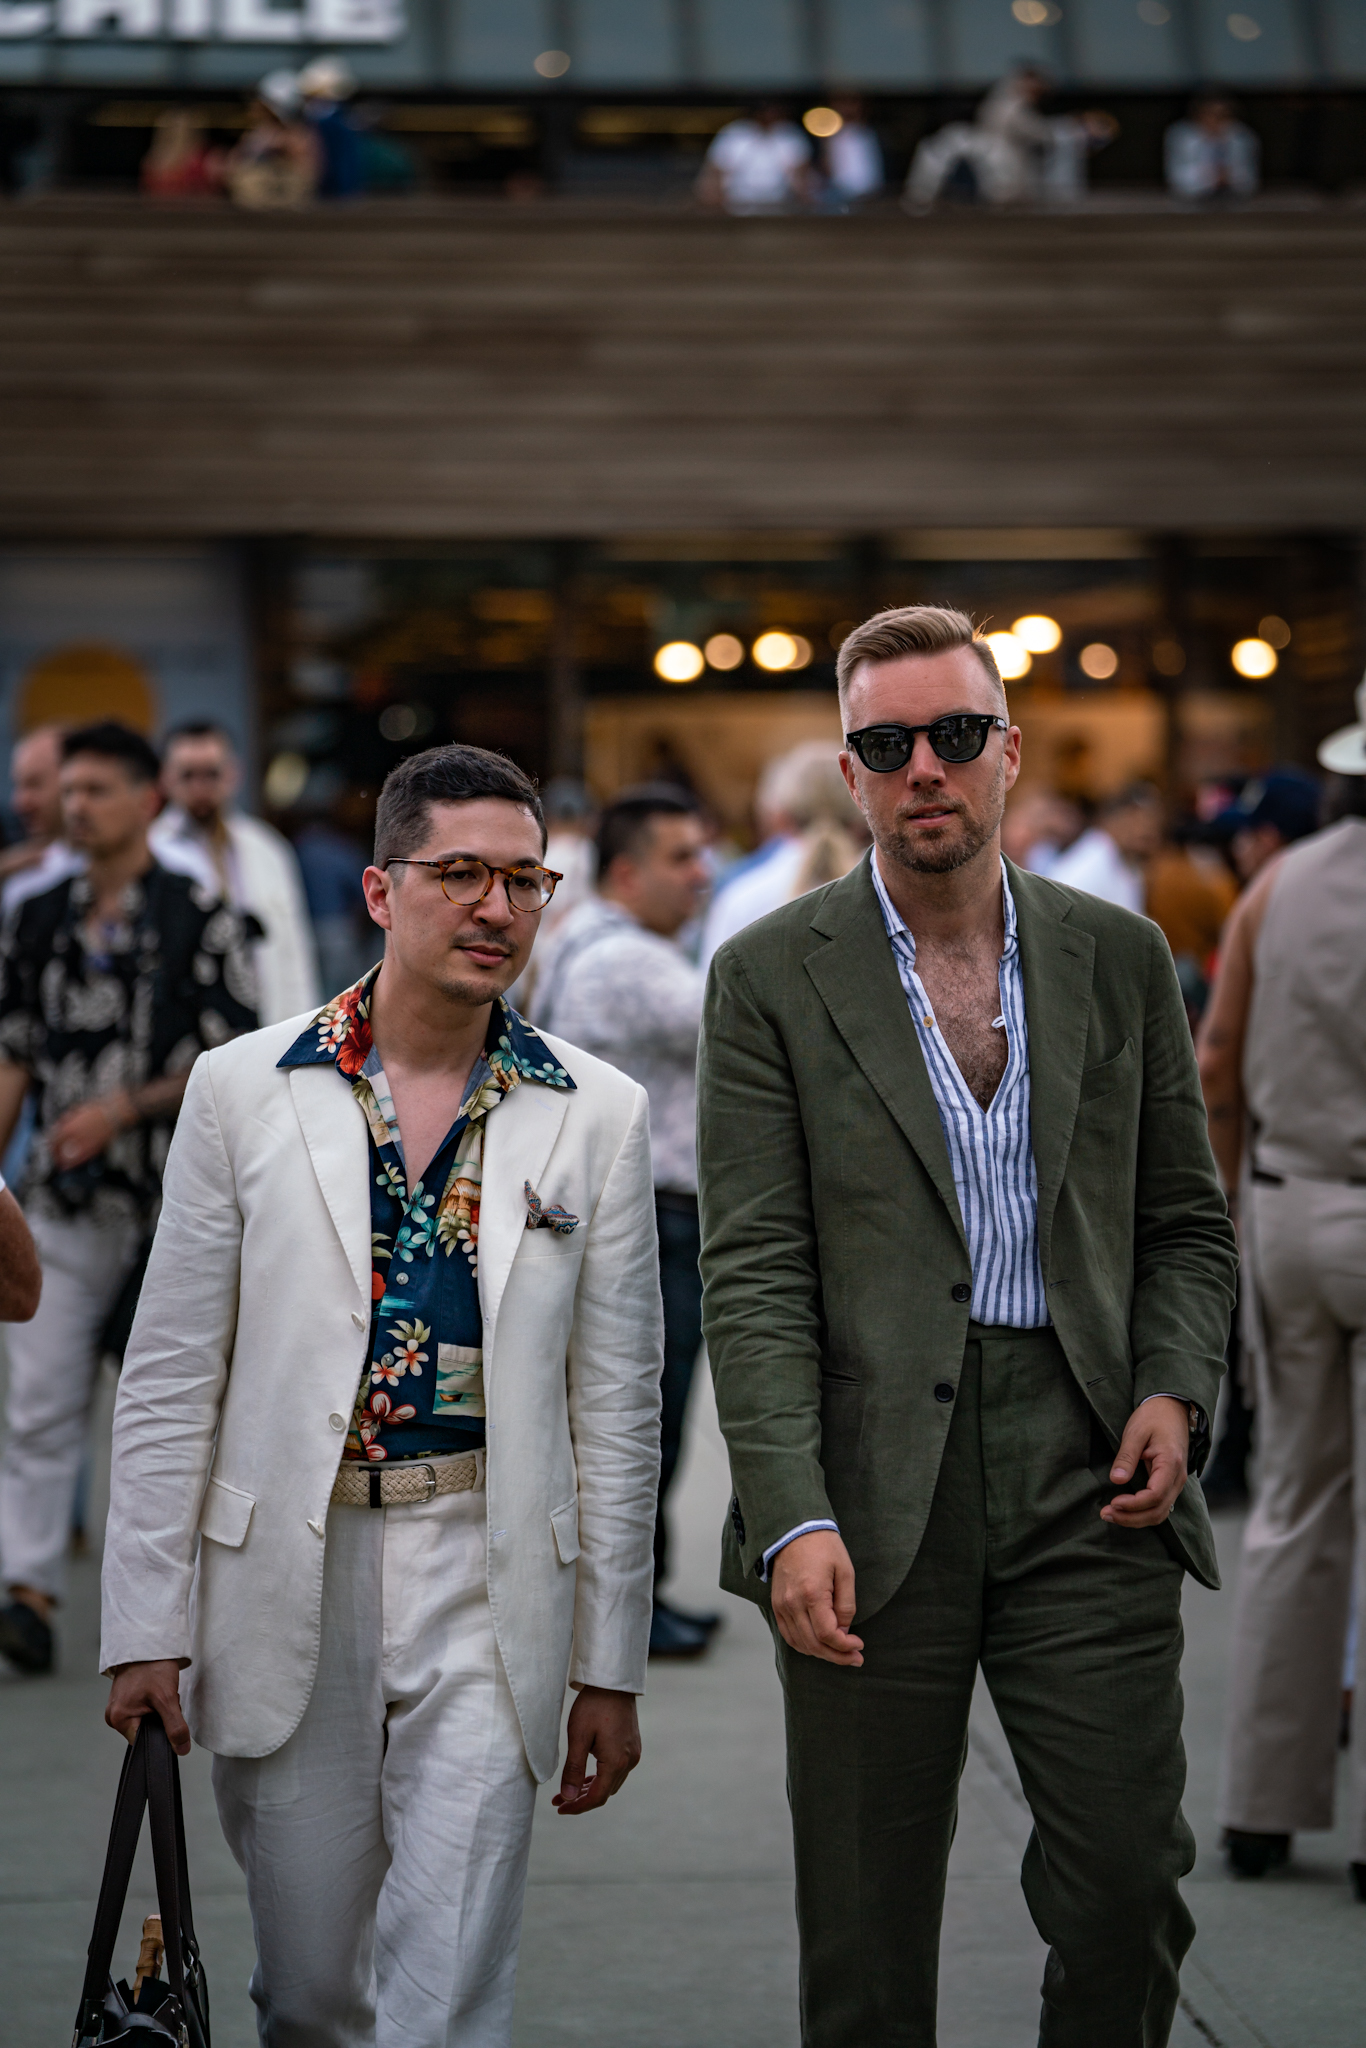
(1283, 1062)
(241, 860)
(1188, 893)
(619, 986)
(42, 857)
(1269, 813)
(278, 159)
(1209, 156)
(1038, 827)
(111, 984)
(325, 87)
(759, 164)
(1109, 859)
(180, 164)
(332, 862)
(851, 158)
(813, 835)
(571, 851)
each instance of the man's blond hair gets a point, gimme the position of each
(913, 629)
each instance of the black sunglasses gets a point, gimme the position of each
(958, 737)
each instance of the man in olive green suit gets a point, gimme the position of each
(968, 1279)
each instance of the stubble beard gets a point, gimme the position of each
(922, 856)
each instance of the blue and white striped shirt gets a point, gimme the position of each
(990, 1150)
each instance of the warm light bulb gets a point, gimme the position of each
(822, 121)
(551, 63)
(1098, 661)
(1013, 658)
(723, 650)
(679, 662)
(1039, 633)
(776, 650)
(1254, 658)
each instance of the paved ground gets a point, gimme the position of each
(666, 1922)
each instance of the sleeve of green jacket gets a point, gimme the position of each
(1185, 1253)
(762, 1298)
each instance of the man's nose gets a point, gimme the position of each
(924, 764)
(495, 908)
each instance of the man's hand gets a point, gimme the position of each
(88, 1129)
(813, 1598)
(139, 1688)
(601, 1724)
(1158, 1434)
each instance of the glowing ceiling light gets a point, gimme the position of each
(1243, 28)
(822, 121)
(1013, 658)
(1098, 661)
(1254, 658)
(551, 63)
(285, 779)
(1039, 633)
(1274, 631)
(679, 662)
(723, 650)
(776, 651)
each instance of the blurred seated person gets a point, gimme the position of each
(1210, 156)
(179, 164)
(1270, 813)
(1075, 140)
(325, 86)
(851, 158)
(1109, 860)
(759, 164)
(278, 161)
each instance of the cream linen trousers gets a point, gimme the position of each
(1308, 1518)
(385, 1843)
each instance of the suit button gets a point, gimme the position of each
(961, 1291)
(943, 1392)
(337, 1421)
(358, 1319)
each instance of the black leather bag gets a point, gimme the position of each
(171, 2009)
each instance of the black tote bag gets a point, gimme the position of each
(174, 2008)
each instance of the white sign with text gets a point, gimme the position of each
(203, 21)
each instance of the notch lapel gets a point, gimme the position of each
(338, 1144)
(518, 1137)
(855, 976)
(1057, 961)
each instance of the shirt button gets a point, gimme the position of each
(337, 1421)
(961, 1291)
(402, 1279)
(943, 1392)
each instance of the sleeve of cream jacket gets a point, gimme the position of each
(170, 1393)
(616, 1356)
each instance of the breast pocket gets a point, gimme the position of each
(1111, 1075)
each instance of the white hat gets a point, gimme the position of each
(1344, 751)
(326, 78)
(280, 91)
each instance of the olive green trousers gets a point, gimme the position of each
(1077, 1628)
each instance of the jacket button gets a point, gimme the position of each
(358, 1319)
(337, 1421)
(961, 1291)
(943, 1392)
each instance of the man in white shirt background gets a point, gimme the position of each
(760, 164)
(41, 859)
(1108, 860)
(619, 985)
(241, 860)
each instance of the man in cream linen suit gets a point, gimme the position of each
(387, 1441)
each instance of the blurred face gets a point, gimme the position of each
(1136, 831)
(931, 816)
(1253, 847)
(105, 810)
(35, 777)
(201, 775)
(469, 955)
(663, 882)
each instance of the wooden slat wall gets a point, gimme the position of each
(418, 372)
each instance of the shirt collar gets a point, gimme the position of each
(339, 1035)
(900, 933)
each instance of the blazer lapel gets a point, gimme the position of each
(1056, 960)
(855, 975)
(518, 1138)
(339, 1147)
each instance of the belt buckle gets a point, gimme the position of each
(430, 1471)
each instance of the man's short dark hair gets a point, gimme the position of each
(445, 775)
(114, 742)
(625, 823)
(197, 729)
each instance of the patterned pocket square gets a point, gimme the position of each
(539, 1217)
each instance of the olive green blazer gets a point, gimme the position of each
(831, 1237)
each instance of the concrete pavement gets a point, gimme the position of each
(666, 1922)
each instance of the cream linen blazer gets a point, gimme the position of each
(247, 1351)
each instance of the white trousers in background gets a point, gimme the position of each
(385, 1843)
(1309, 1514)
(53, 1362)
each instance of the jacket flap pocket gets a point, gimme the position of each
(1104, 1079)
(565, 1522)
(225, 1514)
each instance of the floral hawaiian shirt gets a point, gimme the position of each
(422, 1391)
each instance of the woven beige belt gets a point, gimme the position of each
(400, 1486)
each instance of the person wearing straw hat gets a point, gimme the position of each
(1283, 1060)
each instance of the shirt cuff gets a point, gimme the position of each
(802, 1529)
